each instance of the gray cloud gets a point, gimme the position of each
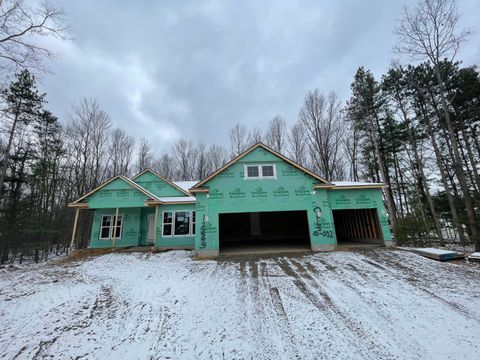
(165, 70)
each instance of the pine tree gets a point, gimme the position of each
(22, 104)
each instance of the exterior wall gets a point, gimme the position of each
(131, 204)
(118, 193)
(168, 242)
(230, 192)
(157, 186)
(130, 231)
(135, 228)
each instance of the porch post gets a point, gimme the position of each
(114, 235)
(77, 212)
(155, 226)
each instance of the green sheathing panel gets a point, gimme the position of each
(130, 230)
(362, 199)
(117, 193)
(151, 182)
(323, 233)
(230, 192)
(173, 241)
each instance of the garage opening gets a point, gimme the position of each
(271, 231)
(356, 227)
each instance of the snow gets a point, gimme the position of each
(353, 183)
(376, 304)
(177, 199)
(185, 185)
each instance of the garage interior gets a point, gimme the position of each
(357, 227)
(272, 231)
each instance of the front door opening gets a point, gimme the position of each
(264, 231)
(359, 226)
(150, 228)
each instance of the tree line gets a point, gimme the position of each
(414, 128)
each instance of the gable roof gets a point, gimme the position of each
(176, 185)
(248, 151)
(127, 180)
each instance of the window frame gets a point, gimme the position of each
(170, 223)
(174, 216)
(193, 220)
(260, 171)
(111, 227)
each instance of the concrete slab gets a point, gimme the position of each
(439, 254)
(263, 249)
(357, 245)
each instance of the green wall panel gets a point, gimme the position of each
(157, 186)
(230, 192)
(130, 232)
(118, 193)
(173, 241)
(292, 189)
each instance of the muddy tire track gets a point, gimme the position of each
(279, 309)
(413, 278)
(315, 293)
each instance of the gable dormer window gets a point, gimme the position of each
(255, 172)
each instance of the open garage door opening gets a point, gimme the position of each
(357, 227)
(274, 231)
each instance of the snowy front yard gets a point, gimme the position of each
(375, 304)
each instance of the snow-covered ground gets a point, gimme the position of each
(375, 304)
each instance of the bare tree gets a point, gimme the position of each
(430, 32)
(21, 26)
(121, 151)
(87, 136)
(296, 144)
(322, 119)
(254, 137)
(203, 165)
(217, 156)
(145, 155)
(239, 139)
(185, 159)
(276, 134)
(165, 166)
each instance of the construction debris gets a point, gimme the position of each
(474, 256)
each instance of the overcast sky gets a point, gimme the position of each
(170, 69)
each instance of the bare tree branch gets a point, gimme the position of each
(21, 29)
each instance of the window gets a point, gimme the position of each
(167, 223)
(118, 227)
(252, 171)
(178, 223)
(260, 171)
(105, 227)
(267, 171)
(110, 226)
(182, 223)
(193, 223)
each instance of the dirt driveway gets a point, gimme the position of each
(373, 304)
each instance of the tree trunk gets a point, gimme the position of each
(459, 171)
(6, 156)
(384, 178)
